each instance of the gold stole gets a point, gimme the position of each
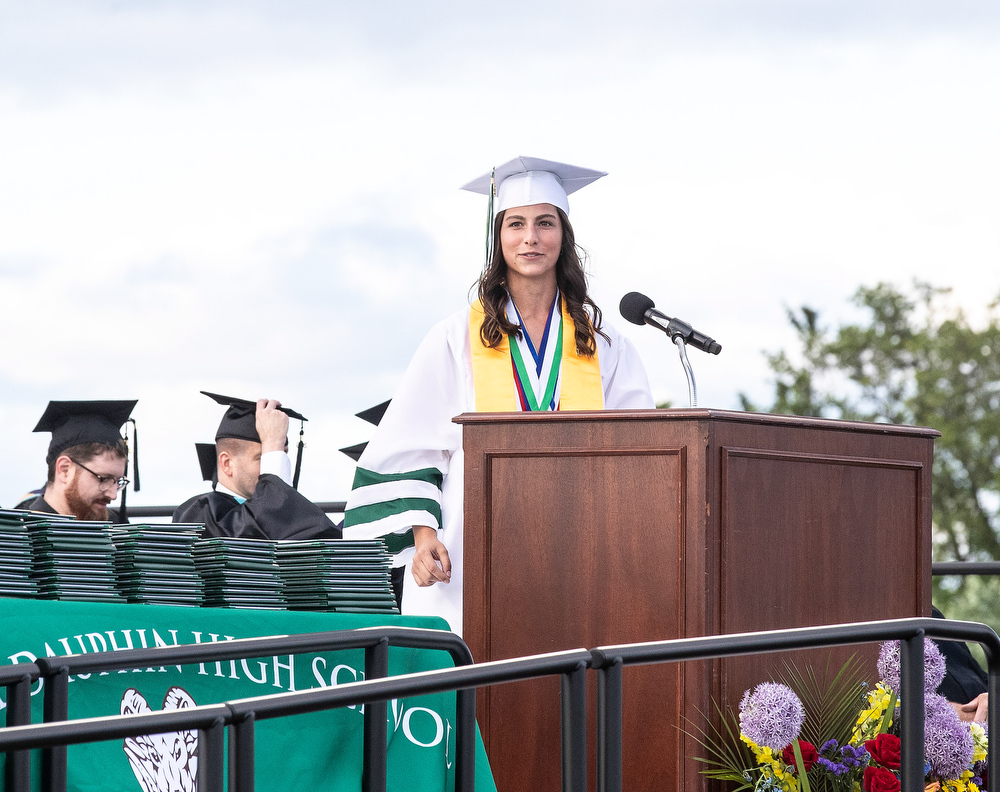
(493, 375)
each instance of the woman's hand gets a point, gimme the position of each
(431, 562)
(975, 710)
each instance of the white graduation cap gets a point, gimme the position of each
(526, 181)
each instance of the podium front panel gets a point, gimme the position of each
(576, 550)
(589, 529)
(815, 538)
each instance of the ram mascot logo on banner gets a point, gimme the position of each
(162, 762)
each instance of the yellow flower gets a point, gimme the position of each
(962, 784)
(772, 764)
(980, 742)
(869, 721)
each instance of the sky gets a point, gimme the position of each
(261, 198)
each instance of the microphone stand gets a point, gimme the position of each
(678, 330)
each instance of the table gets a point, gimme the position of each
(319, 751)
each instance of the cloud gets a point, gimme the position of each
(260, 198)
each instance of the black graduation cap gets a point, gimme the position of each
(207, 460)
(374, 414)
(240, 421)
(354, 451)
(76, 422)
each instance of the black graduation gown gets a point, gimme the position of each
(964, 678)
(27, 500)
(39, 504)
(276, 511)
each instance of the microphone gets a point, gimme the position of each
(640, 310)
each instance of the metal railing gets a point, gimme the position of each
(56, 672)
(941, 568)
(938, 568)
(607, 661)
(134, 512)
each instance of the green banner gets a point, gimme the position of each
(318, 751)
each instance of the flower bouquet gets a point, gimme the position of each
(841, 735)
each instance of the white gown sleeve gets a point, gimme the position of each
(399, 476)
(277, 463)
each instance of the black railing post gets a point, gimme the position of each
(911, 725)
(241, 754)
(211, 756)
(17, 770)
(55, 708)
(574, 729)
(609, 725)
(374, 766)
(992, 715)
(465, 740)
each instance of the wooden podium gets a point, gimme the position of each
(591, 528)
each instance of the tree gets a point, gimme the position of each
(916, 361)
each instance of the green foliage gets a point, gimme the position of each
(918, 361)
(831, 703)
(728, 757)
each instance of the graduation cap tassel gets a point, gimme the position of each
(135, 455)
(489, 220)
(298, 456)
(123, 509)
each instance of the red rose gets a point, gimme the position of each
(884, 750)
(878, 779)
(809, 755)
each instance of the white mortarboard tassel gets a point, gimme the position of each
(526, 181)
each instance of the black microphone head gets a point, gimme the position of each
(634, 306)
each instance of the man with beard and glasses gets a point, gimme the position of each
(87, 458)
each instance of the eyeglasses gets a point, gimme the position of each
(104, 482)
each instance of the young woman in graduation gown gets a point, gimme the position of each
(534, 340)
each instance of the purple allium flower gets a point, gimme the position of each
(947, 741)
(771, 715)
(933, 667)
(889, 662)
(888, 665)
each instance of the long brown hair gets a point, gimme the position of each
(571, 278)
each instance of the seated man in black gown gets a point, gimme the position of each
(87, 458)
(254, 497)
(965, 682)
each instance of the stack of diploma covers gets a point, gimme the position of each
(73, 560)
(154, 565)
(239, 573)
(15, 554)
(337, 575)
